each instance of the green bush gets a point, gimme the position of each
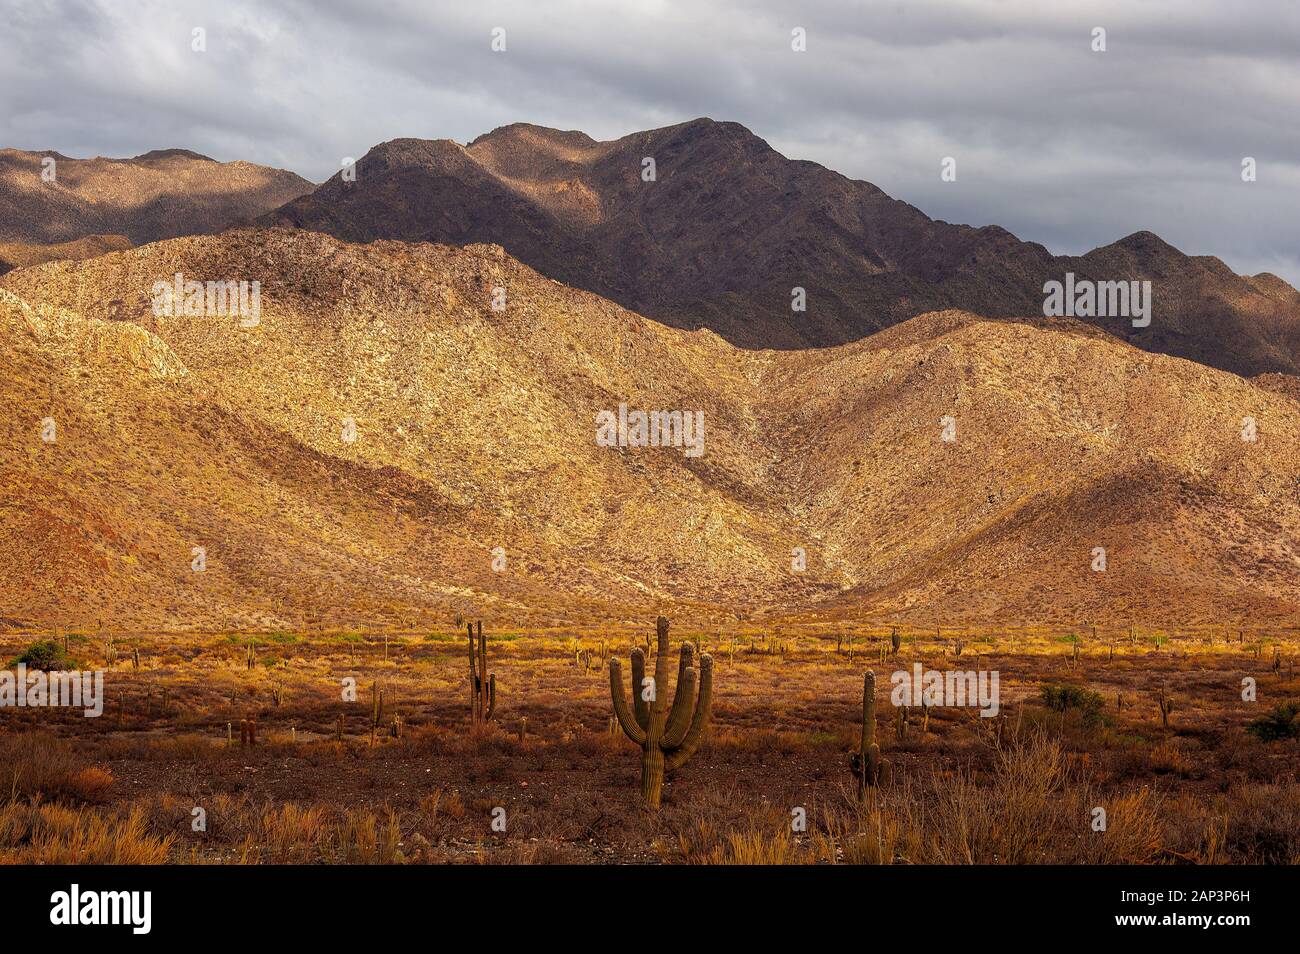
(1282, 723)
(46, 655)
(1065, 698)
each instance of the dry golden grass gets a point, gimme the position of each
(56, 835)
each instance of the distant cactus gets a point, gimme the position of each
(482, 684)
(865, 764)
(1166, 705)
(894, 641)
(667, 738)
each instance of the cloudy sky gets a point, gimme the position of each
(1061, 145)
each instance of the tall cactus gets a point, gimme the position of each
(667, 737)
(866, 764)
(482, 684)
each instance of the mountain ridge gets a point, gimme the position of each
(730, 227)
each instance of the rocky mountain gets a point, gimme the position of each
(404, 431)
(47, 198)
(729, 227)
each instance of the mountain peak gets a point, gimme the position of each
(1146, 243)
(156, 155)
(158, 194)
(531, 133)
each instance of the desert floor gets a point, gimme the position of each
(1022, 787)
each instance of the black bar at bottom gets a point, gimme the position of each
(298, 903)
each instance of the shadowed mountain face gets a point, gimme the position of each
(161, 194)
(474, 429)
(729, 227)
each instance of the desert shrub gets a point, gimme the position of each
(46, 655)
(1064, 698)
(43, 768)
(1282, 723)
(1263, 825)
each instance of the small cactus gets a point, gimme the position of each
(667, 738)
(482, 684)
(1166, 705)
(895, 642)
(865, 764)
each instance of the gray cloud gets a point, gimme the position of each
(1060, 145)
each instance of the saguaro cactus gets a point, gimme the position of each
(667, 737)
(482, 684)
(865, 764)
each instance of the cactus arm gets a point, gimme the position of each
(473, 670)
(631, 727)
(659, 707)
(679, 719)
(473, 676)
(492, 697)
(639, 705)
(700, 722)
(683, 702)
(868, 710)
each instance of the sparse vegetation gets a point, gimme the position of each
(310, 786)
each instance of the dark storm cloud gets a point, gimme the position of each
(1059, 144)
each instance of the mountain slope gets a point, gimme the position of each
(18, 255)
(475, 429)
(729, 227)
(158, 195)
